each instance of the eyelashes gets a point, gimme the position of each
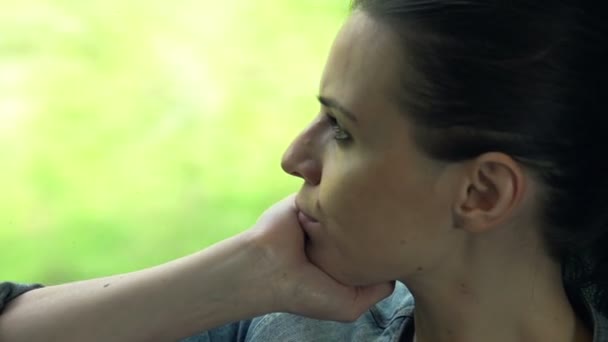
(340, 134)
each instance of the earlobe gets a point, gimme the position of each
(492, 187)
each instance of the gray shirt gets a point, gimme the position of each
(391, 320)
(10, 291)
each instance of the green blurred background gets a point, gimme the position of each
(135, 132)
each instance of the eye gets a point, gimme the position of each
(340, 134)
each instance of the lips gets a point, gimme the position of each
(308, 222)
(304, 218)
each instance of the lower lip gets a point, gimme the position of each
(308, 223)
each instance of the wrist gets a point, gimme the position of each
(237, 275)
(253, 274)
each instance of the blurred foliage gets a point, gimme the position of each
(134, 132)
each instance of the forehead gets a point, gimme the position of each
(361, 69)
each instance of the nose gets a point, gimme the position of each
(301, 159)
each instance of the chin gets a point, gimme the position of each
(336, 270)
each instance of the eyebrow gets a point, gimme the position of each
(333, 104)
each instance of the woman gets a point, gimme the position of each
(458, 151)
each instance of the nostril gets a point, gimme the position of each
(310, 171)
(295, 174)
(307, 169)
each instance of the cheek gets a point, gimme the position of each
(363, 214)
(377, 219)
(350, 198)
(374, 198)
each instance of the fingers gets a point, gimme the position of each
(329, 300)
(283, 208)
(300, 286)
(290, 201)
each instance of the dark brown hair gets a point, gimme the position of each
(526, 78)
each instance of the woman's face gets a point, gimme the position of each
(379, 202)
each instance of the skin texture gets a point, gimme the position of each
(385, 208)
(376, 196)
(462, 236)
(260, 271)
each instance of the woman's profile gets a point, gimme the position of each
(453, 189)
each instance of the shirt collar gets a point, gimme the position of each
(401, 304)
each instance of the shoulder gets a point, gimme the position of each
(600, 327)
(585, 303)
(10, 291)
(586, 299)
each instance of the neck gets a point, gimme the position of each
(517, 295)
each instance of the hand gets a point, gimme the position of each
(297, 285)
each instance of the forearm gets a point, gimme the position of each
(162, 303)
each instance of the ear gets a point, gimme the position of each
(492, 185)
